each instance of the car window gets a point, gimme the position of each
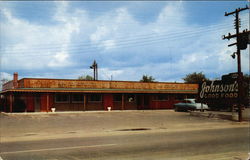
(188, 101)
(191, 101)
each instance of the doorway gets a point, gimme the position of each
(146, 102)
(37, 103)
(108, 101)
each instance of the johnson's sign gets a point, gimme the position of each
(218, 90)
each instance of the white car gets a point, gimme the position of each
(189, 105)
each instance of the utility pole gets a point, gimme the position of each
(94, 66)
(241, 44)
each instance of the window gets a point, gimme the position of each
(161, 97)
(95, 98)
(191, 96)
(77, 98)
(187, 101)
(117, 97)
(131, 98)
(190, 101)
(62, 98)
(179, 97)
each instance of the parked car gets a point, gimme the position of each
(189, 105)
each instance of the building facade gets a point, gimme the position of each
(41, 95)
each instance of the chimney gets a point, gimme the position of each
(15, 80)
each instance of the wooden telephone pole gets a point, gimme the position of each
(94, 66)
(241, 44)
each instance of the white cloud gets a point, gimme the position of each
(61, 9)
(4, 77)
(59, 60)
(36, 45)
(101, 32)
(108, 44)
(106, 73)
(167, 48)
(171, 18)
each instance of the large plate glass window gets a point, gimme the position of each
(130, 97)
(77, 98)
(95, 98)
(161, 97)
(117, 97)
(179, 97)
(62, 98)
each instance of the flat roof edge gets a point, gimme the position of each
(161, 82)
(89, 90)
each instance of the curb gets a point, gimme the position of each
(80, 112)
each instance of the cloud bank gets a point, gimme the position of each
(168, 47)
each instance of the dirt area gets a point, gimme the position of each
(33, 126)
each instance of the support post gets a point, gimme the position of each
(142, 101)
(85, 102)
(47, 102)
(123, 101)
(240, 76)
(11, 96)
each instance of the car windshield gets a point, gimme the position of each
(190, 101)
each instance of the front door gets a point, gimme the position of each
(37, 103)
(108, 101)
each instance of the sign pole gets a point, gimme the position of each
(240, 76)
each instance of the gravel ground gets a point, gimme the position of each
(34, 126)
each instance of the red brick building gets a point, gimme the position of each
(36, 94)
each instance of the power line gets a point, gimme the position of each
(117, 37)
(121, 41)
(124, 44)
(131, 45)
(142, 35)
(129, 42)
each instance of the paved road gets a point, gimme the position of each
(221, 144)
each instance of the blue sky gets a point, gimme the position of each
(164, 39)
